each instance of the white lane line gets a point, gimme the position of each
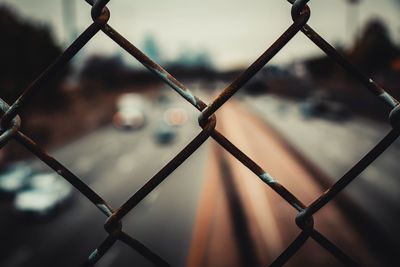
(126, 163)
(84, 164)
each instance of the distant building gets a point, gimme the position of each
(194, 59)
(69, 21)
(150, 48)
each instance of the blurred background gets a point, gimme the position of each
(114, 124)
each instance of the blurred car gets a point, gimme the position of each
(130, 111)
(311, 108)
(175, 116)
(13, 179)
(165, 134)
(43, 196)
(255, 87)
(323, 108)
(163, 99)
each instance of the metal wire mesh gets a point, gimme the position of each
(300, 12)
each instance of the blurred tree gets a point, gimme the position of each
(25, 51)
(110, 73)
(256, 87)
(374, 50)
(323, 66)
(102, 72)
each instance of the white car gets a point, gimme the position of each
(14, 178)
(130, 111)
(45, 193)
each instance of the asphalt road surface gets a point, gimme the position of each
(335, 146)
(250, 224)
(115, 164)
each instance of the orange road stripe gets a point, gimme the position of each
(206, 209)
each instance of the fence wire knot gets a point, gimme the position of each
(8, 129)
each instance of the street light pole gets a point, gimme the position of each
(69, 20)
(352, 20)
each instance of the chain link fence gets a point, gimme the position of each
(300, 12)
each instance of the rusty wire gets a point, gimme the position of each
(10, 129)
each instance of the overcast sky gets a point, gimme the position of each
(233, 32)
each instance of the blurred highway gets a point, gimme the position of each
(250, 225)
(212, 211)
(335, 146)
(115, 164)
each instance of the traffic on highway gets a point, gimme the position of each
(201, 134)
(143, 135)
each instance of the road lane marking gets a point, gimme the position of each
(126, 164)
(205, 211)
